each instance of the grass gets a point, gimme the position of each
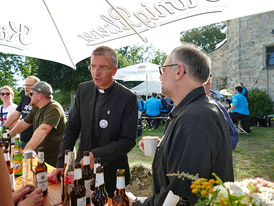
(253, 157)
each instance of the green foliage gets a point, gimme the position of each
(259, 103)
(206, 37)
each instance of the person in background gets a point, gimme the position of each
(141, 109)
(244, 92)
(8, 107)
(196, 138)
(234, 135)
(105, 115)
(47, 119)
(152, 108)
(22, 110)
(239, 109)
(20, 197)
(167, 105)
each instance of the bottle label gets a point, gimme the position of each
(81, 201)
(66, 159)
(99, 180)
(86, 160)
(12, 181)
(95, 166)
(41, 158)
(69, 177)
(87, 186)
(120, 183)
(18, 166)
(77, 174)
(7, 157)
(42, 180)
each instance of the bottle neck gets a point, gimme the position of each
(41, 157)
(99, 181)
(86, 161)
(120, 182)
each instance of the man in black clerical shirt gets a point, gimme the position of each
(104, 114)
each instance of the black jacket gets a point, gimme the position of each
(196, 141)
(115, 141)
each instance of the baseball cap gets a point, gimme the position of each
(42, 87)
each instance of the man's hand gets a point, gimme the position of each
(33, 199)
(21, 192)
(131, 198)
(91, 157)
(53, 177)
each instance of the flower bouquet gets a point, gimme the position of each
(257, 192)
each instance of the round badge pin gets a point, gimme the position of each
(103, 123)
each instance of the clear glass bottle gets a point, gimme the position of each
(87, 175)
(100, 197)
(78, 192)
(28, 172)
(68, 177)
(40, 171)
(120, 198)
(10, 169)
(62, 176)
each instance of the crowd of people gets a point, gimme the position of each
(198, 137)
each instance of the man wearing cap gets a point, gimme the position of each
(23, 109)
(47, 119)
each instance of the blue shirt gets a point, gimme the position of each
(240, 102)
(153, 106)
(141, 105)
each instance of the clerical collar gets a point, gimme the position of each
(106, 91)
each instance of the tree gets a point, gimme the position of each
(206, 37)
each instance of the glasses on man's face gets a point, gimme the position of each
(32, 93)
(5, 94)
(161, 68)
(28, 86)
(98, 69)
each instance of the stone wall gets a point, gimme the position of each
(242, 58)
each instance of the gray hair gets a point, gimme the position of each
(196, 63)
(103, 50)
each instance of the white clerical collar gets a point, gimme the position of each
(101, 91)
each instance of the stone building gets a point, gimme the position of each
(247, 55)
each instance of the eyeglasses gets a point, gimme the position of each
(98, 69)
(5, 94)
(32, 93)
(161, 68)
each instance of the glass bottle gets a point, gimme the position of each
(184, 201)
(68, 177)
(17, 158)
(40, 171)
(10, 169)
(78, 192)
(28, 172)
(87, 175)
(97, 162)
(100, 196)
(120, 198)
(62, 176)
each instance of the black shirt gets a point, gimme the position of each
(24, 107)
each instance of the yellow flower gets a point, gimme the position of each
(194, 191)
(211, 191)
(203, 192)
(217, 182)
(212, 181)
(192, 186)
(208, 187)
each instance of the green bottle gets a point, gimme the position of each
(17, 158)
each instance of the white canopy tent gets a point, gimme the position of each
(147, 88)
(139, 72)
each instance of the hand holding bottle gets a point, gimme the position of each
(54, 175)
(33, 199)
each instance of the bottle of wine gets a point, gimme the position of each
(120, 198)
(62, 176)
(40, 172)
(87, 175)
(100, 196)
(68, 178)
(78, 192)
(97, 162)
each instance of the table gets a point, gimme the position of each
(54, 190)
(53, 198)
